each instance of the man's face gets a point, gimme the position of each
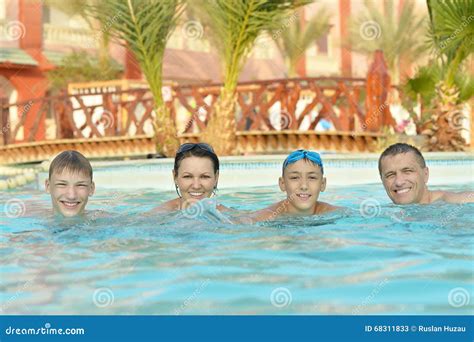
(69, 192)
(302, 181)
(403, 178)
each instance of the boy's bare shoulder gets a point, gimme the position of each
(269, 212)
(323, 207)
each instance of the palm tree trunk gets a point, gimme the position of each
(165, 132)
(445, 125)
(221, 129)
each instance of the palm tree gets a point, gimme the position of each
(421, 90)
(400, 37)
(293, 40)
(236, 24)
(451, 32)
(145, 26)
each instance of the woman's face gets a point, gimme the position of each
(195, 178)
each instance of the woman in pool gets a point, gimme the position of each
(195, 174)
(303, 180)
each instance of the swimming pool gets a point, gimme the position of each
(375, 258)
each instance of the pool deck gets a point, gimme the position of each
(251, 171)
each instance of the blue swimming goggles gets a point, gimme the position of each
(293, 157)
(191, 146)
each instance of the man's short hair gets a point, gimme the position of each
(72, 161)
(402, 148)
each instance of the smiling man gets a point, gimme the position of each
(70, 183)
(405, 176)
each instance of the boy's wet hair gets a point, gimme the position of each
(72, 161)
(196, 152)
(398, 148)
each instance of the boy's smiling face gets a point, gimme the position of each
(302, 181)
(70, 192)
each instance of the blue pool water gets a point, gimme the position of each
(374, 258)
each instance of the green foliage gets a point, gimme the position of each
(292, 40)
(423, 88)
(81, 67)
(145, 26)
(398, 36)
(451, 33)
(236, 24)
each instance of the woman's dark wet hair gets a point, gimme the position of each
(196, 151)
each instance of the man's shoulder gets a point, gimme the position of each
(452, 197)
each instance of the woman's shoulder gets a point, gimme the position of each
(171, 205)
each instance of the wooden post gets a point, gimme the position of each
(376, 101)
(5, 121)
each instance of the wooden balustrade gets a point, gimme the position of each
(273, 116)
(275, 105)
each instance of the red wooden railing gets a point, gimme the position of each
(300, 104)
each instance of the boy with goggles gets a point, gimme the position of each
(302, 179)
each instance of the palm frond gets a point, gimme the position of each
(293, 40)
(145, 26)
(398, 36)
(236, 25)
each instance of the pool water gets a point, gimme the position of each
(373, 258)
